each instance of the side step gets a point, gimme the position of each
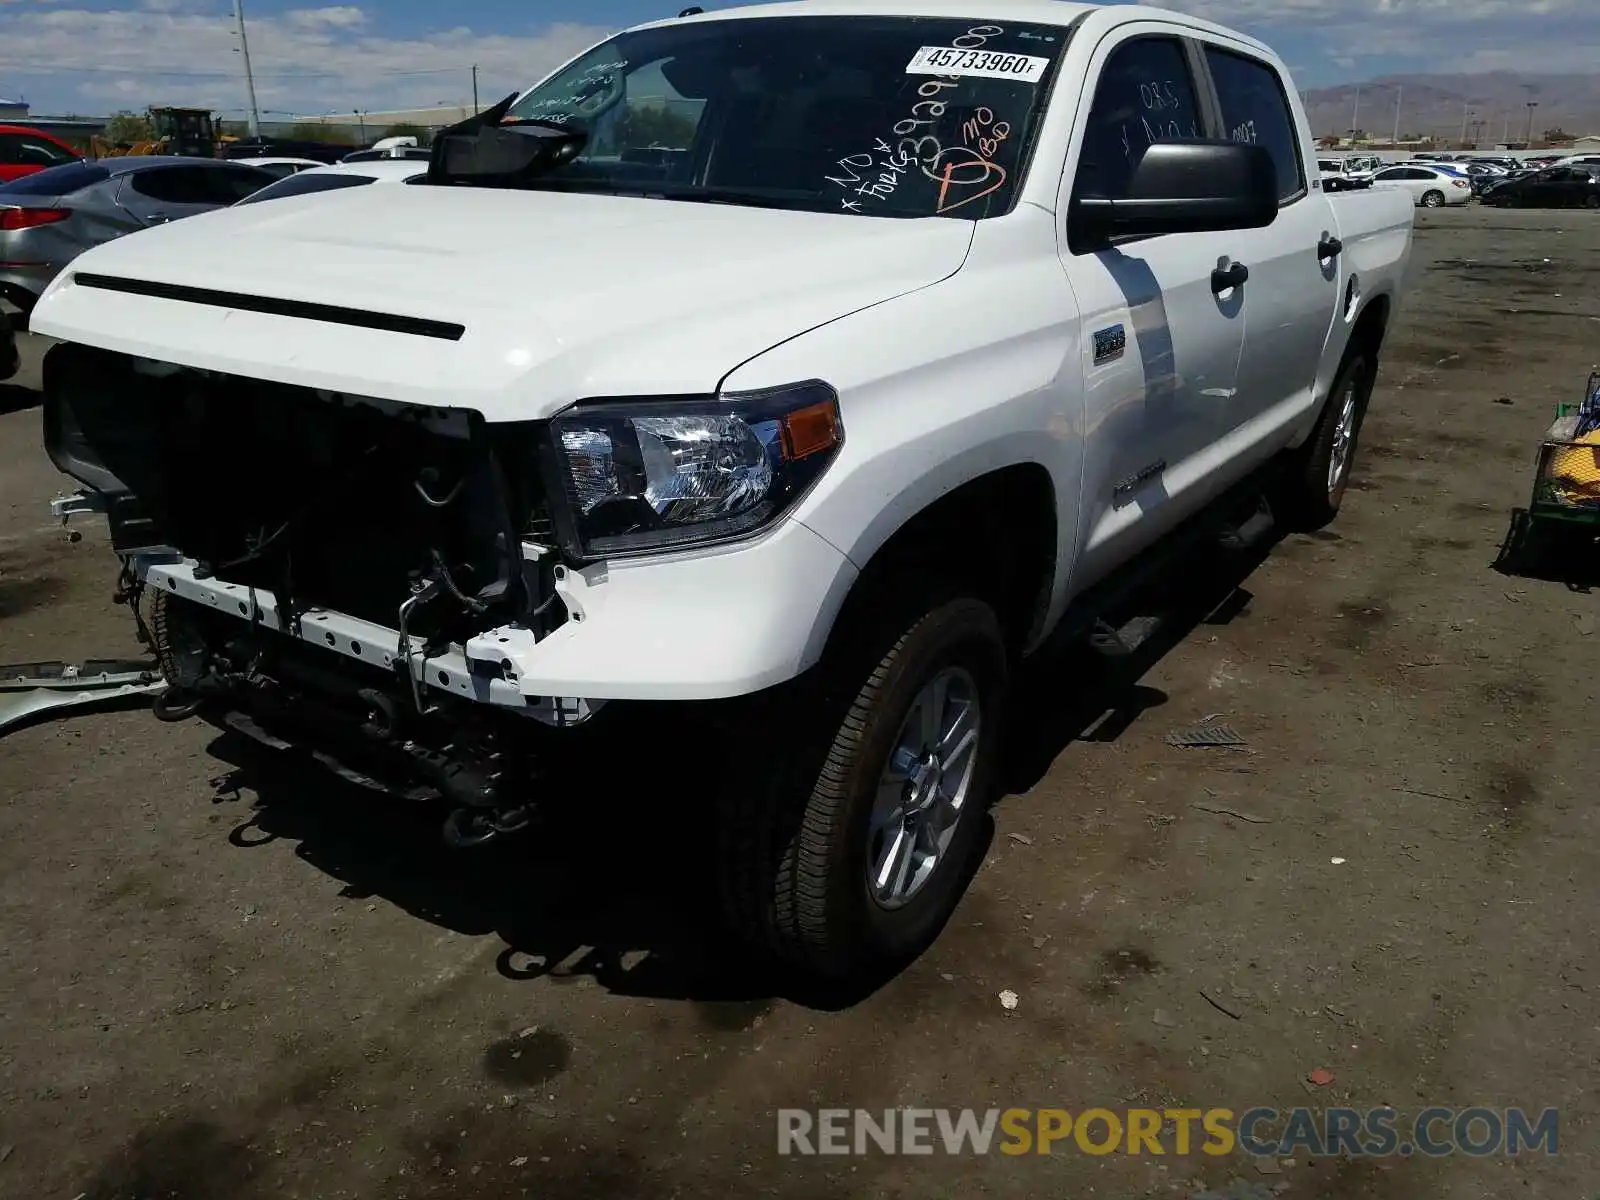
(1121, 641)
(1251, 530)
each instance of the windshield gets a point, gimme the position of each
(879, 116)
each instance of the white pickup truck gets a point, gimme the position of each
(816, 358)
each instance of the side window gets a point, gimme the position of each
(173, 185)
(11, 150)
(1145, 94)
(1255, 110)
(229, 184)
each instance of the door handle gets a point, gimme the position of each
(1231, 276)
(1329, 247)
(157, 218)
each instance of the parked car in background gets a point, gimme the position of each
(1430, 185)
(280, 167)
(9, 360)
(1553, 187)
(416, 153)
(49, 218)
(25, 151)
(1337, 175)
(265, 147)
(805, 434)
(338, 177)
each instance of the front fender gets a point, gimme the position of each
(937, 388)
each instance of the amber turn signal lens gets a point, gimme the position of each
(810, 430)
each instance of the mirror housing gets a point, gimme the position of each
(1184, 186)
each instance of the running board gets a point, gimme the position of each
(1124, 641)
(1251, 531)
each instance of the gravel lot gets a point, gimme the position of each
(218, 980)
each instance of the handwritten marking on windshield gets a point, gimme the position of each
(986, 131)
(976, 171)
(890, 166)
(964, 172)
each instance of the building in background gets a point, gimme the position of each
(364, 127)
(13, 111)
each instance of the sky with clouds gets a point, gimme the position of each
(98, 56)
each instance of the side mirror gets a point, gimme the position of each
(1189, 186)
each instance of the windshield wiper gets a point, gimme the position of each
(487, 151)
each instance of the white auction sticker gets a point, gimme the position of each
(983, 64)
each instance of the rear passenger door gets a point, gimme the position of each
(1161, 344)
(160, 194)
(1296, 270)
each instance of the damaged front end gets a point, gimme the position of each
(318, 570)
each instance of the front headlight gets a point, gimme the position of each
(653, 475)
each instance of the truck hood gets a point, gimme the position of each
(515, 304)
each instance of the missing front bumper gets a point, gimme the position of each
(485, 669)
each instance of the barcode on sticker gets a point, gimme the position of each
(983, 64)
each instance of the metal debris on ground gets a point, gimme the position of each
(1020, 839)
(1219, 1005)
(1205, 734)
(1218, 810)
(1009, 1000)
(27, 689)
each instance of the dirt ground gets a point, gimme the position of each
(220, 981)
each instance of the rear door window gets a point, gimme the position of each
(1256, 110)
(174, 185)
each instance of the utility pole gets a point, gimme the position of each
(1399, 91)
(474, 89)
(1355, 115)
(1532, 104)
(1465, 113)
(249, 76)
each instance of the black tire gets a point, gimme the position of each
(1432, 199)
(1306, 500)
(794, 854)
(1591, 201)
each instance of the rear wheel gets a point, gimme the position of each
(852, 864)
(1432, 199)
(1318, 472)
(1591, 201)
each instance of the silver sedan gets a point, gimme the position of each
(49, 218)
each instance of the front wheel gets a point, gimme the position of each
(853, 865)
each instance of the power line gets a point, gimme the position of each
(32, 69)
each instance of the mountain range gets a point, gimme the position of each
(1434, 105)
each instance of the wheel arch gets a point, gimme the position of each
(994, 535)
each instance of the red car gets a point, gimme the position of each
(24, 151)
